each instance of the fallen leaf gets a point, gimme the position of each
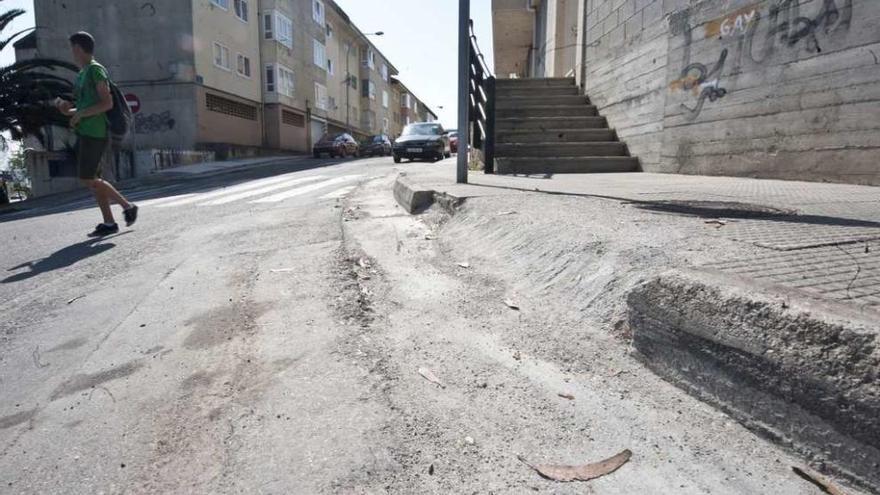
(584, 472)
(431, 377)
(820, 483)
(430, 237)
(718, 223)
(464, 264)
(510, 304)
(75, 299)
(505, 213)
(566, 396)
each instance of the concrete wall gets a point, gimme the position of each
(773, 88)
(289, 133)
(236, 128)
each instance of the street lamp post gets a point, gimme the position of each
(464, 74)
(348, 79)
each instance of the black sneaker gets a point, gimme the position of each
(103, 230)
(131, 215)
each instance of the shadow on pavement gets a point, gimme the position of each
(712, 209)
(62, 258)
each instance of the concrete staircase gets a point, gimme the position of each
(543, 126)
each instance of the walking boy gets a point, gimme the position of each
(88, 119)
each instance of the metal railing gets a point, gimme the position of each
(481, 97)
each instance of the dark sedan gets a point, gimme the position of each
(336, 145)
(378, 145)
(426, 141)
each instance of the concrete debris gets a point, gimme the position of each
(464, 264)
(283, 270)
(469, 440)
(431, 377)
(585, 472)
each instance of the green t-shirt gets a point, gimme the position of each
(85, 90)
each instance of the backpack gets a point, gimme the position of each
(119, 117)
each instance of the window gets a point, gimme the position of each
(320, 57)
(369, 89)
(223, 4)
(241, 10)
(270, 78)
(330, 67)
(329, 31)
(286, 81)
(318, 11)
(244, 66)
(321, 96)
(385, 98)
(221, 56)
(284, 28)
(279, 27)
(268, 27)
(226, 106)
(370, 58)
(384, 72)
(385, 125)
(331, 103)
(405, 100)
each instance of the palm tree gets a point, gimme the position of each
(28, 89)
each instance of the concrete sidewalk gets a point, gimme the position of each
(760, 297)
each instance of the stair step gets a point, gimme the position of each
(543, 123)
(583, 149)
(554, 135)
(535, 82)
(566, 165)
(532, 100)
(547, 111)
(514, 92)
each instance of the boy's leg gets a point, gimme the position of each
(90, 153)
(111, 194)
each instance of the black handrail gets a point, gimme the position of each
(481, 95)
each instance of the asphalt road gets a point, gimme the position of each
(271, 331)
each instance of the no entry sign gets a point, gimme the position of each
(134, 103)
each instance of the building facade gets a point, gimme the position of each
(233, 77)
(758, 88)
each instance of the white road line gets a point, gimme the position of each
(305, 190)
(159, 201)
(256, 192)
(217, 193)
(338, 193)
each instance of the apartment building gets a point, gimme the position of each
(409, 108)
(231, 76)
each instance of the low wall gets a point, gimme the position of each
(785, 89)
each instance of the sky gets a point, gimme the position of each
(421, 41)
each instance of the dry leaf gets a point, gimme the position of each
(718, 223)
(584, 472)
(464, 264)
(505, 213)
(75, 299)
(430, 237)
(431, 377)
(820, 483)
(512, 305)
(566, 396)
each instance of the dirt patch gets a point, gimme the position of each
(16, 419)
(221, 325)
(80, 382)
(69, 345)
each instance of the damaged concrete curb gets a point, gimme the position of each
(806, 374)
(414, 198)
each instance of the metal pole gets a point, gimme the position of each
(464, 75)
(348, 87)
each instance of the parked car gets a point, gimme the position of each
(379, 145)
(425, 140)
(336, 145)
(453, 141)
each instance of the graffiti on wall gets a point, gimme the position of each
(750, 35)
(153, 123)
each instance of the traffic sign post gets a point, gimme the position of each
(134, 103)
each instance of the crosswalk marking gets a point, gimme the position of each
(305, 190)
(263, 190)
(229, 190)
(169, 199)
(338, 193)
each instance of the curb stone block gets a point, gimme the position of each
(804, 373)
(411, 197)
